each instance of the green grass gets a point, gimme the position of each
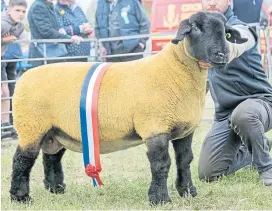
(126, 175)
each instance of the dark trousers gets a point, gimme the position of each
(138, 49)
(11, 70)
(238, 141)
(11, 75)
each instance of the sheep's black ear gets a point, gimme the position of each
(184, 28)
(234, 35)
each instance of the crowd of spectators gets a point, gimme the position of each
(66, 20)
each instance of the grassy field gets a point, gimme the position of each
(126, 175)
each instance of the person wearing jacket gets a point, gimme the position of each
(116, 18)
(241, 8)
(242, 97)
(73, 21)
(11, 30)
(13, 51)
(43, 24)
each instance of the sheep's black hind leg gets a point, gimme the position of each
(53, 173)
(184, 156)
(23, 162)
(158, 155)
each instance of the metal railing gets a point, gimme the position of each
(268, 49)
(98, 57)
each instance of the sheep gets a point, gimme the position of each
(159, 98)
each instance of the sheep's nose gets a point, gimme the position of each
(220, 55)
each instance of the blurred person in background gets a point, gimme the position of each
(73, 21)
(13, 51)
(116, 18)
(248, 11)
(12, 29)
(44, 25)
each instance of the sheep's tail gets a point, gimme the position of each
(89, 121)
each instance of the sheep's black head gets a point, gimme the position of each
(207, 34)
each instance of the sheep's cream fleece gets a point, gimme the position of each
(158, 94)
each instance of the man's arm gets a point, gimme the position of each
(6, 37)
(237, 50)
(19, 30)
(5, 28)
(143, 21)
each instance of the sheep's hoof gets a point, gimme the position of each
(57, 189)
(22, 199)
(185, 192)
(156, 199)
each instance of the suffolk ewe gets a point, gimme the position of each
(160, 98)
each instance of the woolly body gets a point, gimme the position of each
(163, 93)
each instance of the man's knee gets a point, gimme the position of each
(208, 172)
(204, 171)
(244, 115)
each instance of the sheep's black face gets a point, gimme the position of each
(207, 34)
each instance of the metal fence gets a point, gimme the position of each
(97, 57)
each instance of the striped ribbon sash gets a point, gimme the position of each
(89, 121)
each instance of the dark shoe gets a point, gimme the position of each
(11, 131)
(266, 177)
(5, 134)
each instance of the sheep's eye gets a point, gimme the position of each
(228, 35)
(195, 28)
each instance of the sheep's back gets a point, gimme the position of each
(49, 96)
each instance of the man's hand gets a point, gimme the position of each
(62, 31)
(204, 65)
(103, 53)
(87, 28)
(141, 45)
(76, 39)
(9, 39)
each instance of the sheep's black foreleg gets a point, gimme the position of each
(23, 162)
(184, 156)
(158, 155)
(53, 173)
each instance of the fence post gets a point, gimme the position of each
(44, 53)
(97, 43)
(258, 31)
(268, 52)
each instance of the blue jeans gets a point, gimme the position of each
(238, 141)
